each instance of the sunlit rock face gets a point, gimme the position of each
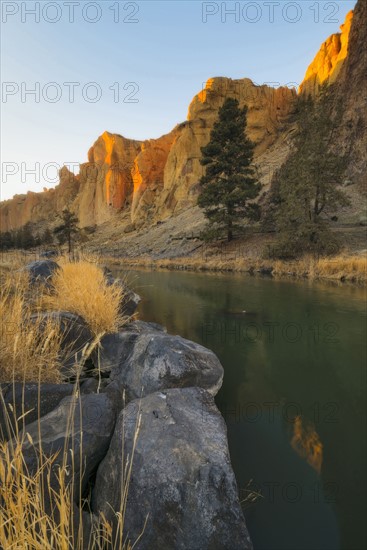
(154, 179)
(148, 176)
(329, 60)
(106, 184)
(268, 112)
(351, 93)
(21, 209)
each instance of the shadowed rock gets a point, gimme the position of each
(182, 483)
(29, 401)
(76, 335)
(82, 426)
(41, 271)
(130, 300)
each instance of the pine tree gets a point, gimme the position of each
(229, 183)
(68, 229)
(306, 185)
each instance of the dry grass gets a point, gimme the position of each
(30, 347)
(81, 288)
(350, 268)
(27, 350)
(30, 351)
(338, 268)
(14, 259)
(27, 521)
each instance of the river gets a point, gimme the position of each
(293, 396)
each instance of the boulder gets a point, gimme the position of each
(83, 426)
(49, 254)
(182, 487)
(76, 335)
(144, 362)
(41, 271)
(144, 326)
(29, 401)
(120, 345)
(130, 300)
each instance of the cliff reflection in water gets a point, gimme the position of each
(306, 442)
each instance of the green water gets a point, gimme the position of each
(293, 396)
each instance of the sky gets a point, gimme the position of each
(132, 68)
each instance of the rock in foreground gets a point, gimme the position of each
(182, 482)
(80, 426)
(145, 362)
(23, 404)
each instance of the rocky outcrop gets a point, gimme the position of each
(341, 64)
(182, 487)
(148, 176)
(84, 424)
(38, 207)
(144, 362)
(268, 114)
(351, 93)
(182, 493)
(329, 60)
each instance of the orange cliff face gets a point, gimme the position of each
(268, 115)
(155, 178)
(106, 184)
(152, 180)
(328, 62)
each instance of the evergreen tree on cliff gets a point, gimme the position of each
(229, 182)
(68, 228)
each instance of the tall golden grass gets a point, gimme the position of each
(30, 346)
(35, 514)
(81, 288)
(29, 350)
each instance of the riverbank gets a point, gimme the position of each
(346, 267)
(341, 268)
(92, 402)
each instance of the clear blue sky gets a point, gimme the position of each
(169, 52)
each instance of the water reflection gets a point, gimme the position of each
(293, 396)
(306, 442)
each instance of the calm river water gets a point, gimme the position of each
(293, 396)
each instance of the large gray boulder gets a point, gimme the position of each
(21, 404)
(182, 486)
(130, 300)
(76, 335)
(82, 426)
(144, 362)
(115, 348)
(41, 271)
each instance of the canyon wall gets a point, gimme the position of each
(154, 179)
(329, 60)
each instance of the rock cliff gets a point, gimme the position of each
(149, 181)
(155, 178)
(329, 60)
